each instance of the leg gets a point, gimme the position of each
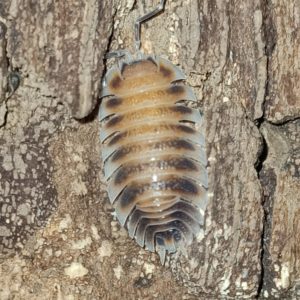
(140, 20)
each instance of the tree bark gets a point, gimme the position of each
(58, 236)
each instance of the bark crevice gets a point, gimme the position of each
(269, 35)
(4, 67)
(266, 213)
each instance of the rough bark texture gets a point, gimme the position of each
(58, 236)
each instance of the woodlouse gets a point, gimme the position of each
(152, 149)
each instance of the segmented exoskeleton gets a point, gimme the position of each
(153, 151)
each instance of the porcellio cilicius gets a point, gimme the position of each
(153, 152)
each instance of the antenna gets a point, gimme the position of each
(137, 26)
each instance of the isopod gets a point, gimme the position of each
(153, 150)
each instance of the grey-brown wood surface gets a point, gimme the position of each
(58, 236)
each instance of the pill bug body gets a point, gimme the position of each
(153, 153)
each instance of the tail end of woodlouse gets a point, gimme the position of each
(165, 244)
(169, 242)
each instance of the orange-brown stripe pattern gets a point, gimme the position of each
(153, 153)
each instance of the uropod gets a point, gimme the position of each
(152, 149)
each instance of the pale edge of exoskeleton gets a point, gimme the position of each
(124, 58)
